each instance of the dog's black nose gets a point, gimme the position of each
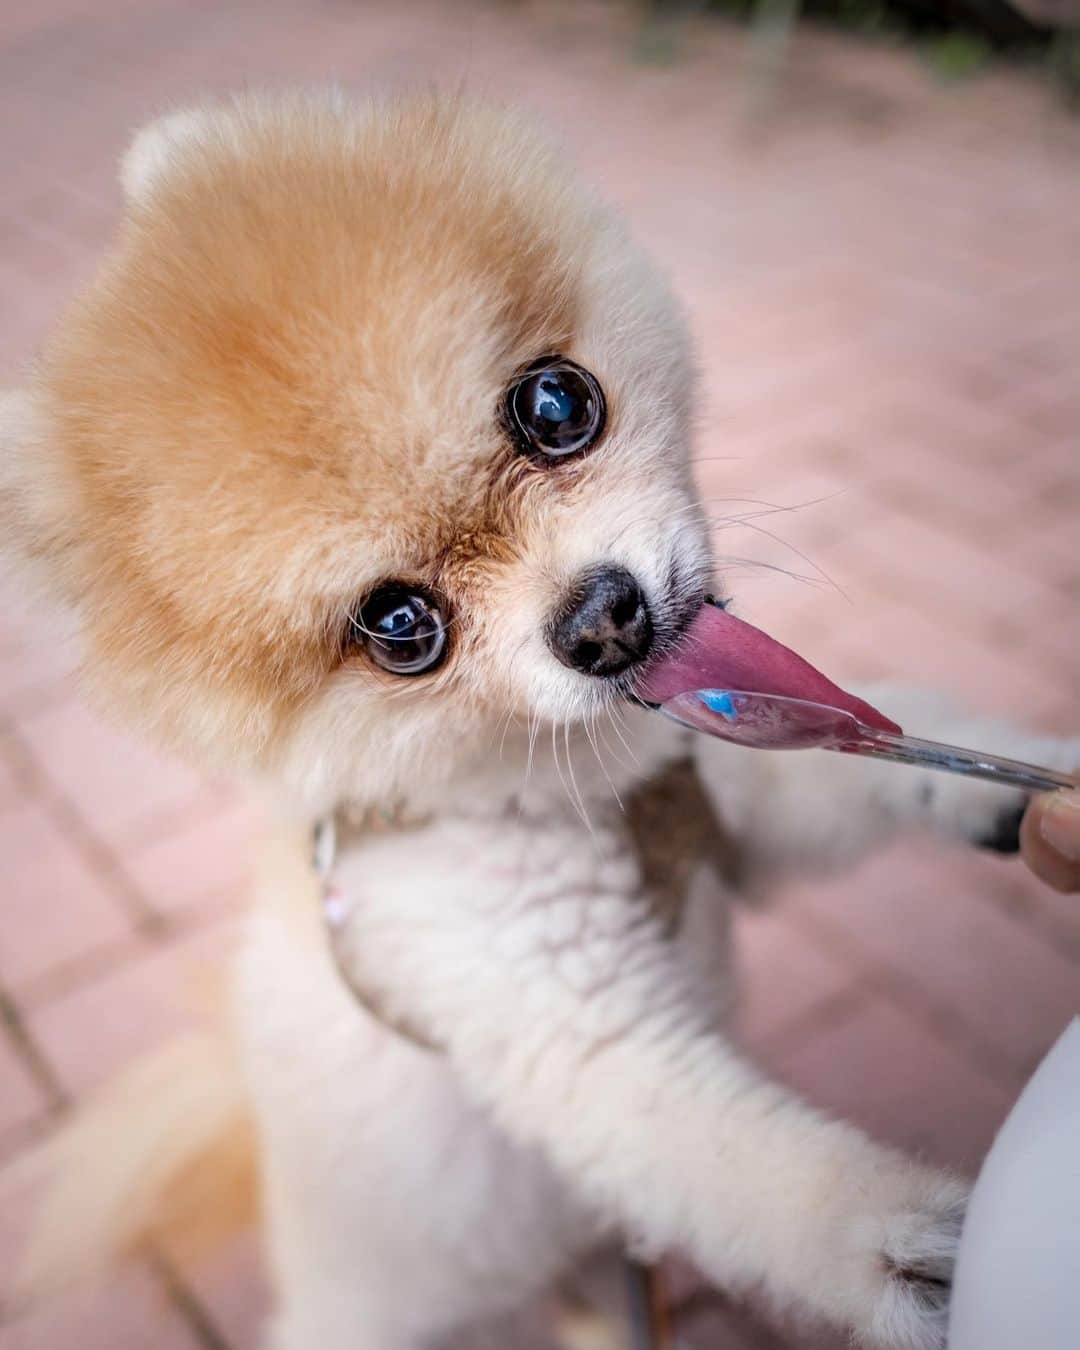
(604, 627)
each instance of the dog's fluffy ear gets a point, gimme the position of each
(158, 148)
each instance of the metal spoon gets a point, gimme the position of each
(770, 722)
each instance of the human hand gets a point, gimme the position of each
(1050, 839)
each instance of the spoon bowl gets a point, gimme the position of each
(775, 722)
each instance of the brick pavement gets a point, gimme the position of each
(884, 284)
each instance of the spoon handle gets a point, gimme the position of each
(952, 759)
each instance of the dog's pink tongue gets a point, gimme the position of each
(719, 651)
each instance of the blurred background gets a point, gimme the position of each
(872, 211)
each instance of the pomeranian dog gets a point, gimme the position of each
(364, 469)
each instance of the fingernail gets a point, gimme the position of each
(1059, 824)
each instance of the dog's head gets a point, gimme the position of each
(369, 439)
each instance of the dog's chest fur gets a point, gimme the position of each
(668, 820)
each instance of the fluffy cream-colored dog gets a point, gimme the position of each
(364, 468)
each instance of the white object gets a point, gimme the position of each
(1018, 1275)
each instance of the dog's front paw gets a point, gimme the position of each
(917, 1261)
(915, 1255)
(986, 814)
(969, 811)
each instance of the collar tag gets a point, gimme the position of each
(336, 909)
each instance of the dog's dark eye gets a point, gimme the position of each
(402, 630)
(555, 408)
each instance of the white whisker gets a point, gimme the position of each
(615, 716)
(799, 554)
(559, 771)
(590, 732)
(583, 812)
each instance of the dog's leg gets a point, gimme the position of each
(395, 1210)
(526, 949)
(820, 811)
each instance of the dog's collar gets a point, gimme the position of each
(337, 904)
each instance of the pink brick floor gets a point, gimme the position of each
(885, 284)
